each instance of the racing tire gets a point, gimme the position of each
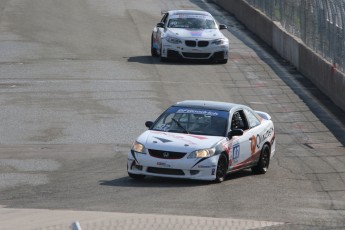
(264, 161)
(163, 59)
(222, 168)
(136, 176)
(154, 52)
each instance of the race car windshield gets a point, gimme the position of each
(193, 121)
(192, 23)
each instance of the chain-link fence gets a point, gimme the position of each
(319, 23)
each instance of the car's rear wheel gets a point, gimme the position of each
(222, 168)
(154, 52)
(264, 161)
(136, 176)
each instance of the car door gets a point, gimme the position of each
(241, 154)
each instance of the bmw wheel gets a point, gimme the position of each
(222, 168)
(153, 50)
(162, 59)
(264, 161)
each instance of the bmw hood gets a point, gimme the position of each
(208, 34)
(176, 142)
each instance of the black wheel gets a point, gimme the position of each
(136, 176)
(264, 161)
(162, 59)
(222, 168)
(153, 50)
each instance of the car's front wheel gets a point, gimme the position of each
(222, 168)
(154, 52)
(264, 161)
(162, 59)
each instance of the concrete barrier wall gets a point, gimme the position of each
(322, 73)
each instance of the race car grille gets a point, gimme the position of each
(165, 171)
(191, 43)
(196, 55)
(203, 43)
(166, 154)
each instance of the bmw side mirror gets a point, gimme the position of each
(222, 27)
(160, 24)
(148, 124)
(235, 132)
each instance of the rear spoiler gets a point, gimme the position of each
(264, 115)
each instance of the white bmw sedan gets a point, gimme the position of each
(189, 34)
(203, 140)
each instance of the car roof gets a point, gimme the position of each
(216, 105)
(174, 12)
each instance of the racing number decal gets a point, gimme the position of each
(236, 152)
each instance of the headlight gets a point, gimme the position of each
(202, 153)
(219, 42)
(139, 148)
(173, 40)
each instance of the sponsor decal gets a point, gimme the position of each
(261, 137)
(163, 164)
(180, 137)
(201, 112)
(206, 166)
(163, 140)
(177, 15)
(236, 152)
(197, 33)
(213, 171)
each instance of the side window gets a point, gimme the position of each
(164, 19)
(252, 119)
(239, 121)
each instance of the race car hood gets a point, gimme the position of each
(192, 33)
(176, 142)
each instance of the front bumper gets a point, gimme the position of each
(198, 169)
(217, 52)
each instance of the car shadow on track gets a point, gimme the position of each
(152, 60)
(161, 182)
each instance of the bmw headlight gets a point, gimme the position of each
(219, 42)
(173, 40)
(202, 153)
(138, 148)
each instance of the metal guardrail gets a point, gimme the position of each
(320, 24)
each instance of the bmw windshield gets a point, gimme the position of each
(192, 22)
(193, 121)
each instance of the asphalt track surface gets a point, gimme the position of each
(77, 84)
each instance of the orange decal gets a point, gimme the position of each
(253, 144)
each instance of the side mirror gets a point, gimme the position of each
(222, 27)
(148, 124)
(160, 25)
(235, 132)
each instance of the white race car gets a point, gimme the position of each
(203, 140)
(189, 34)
